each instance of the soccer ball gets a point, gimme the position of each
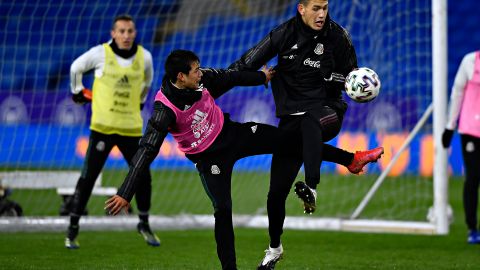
(362, 84)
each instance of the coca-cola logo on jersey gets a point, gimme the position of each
(308, 62)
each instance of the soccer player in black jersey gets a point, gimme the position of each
(314, 55)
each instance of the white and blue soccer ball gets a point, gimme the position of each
(362, 84)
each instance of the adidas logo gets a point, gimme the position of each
(123, 82)
(294, 47)
(199, 115)
(254, 128)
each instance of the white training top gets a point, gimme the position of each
(464, 74)
(95, 59)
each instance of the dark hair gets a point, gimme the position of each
(123, 17)
(179, 61)
(303, 2)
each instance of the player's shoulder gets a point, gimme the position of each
(284, 27)
(145, 50)
(94, 52)
(97, 49)
(470, 56)
(147, 54)
(338, 30)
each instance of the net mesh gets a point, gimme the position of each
(43, 130)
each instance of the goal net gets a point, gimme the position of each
(44, 135)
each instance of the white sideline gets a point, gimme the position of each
(179, 222)
(63, 181)
(42, 179)
(106, 191)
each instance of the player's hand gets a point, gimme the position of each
(269, 73)
(83, 96)
(115, 204)
(327, 65)
(447, 137)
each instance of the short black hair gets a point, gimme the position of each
(305, 2)
(179, 61)
(122, 17)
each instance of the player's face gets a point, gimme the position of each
(192, 79)
(124, 34)
(314, 13)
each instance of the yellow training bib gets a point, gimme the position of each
(117, 96)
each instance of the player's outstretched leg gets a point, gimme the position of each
(362, 158)
(150, 237)
(307, 195)
(71, 239)
(272, 256)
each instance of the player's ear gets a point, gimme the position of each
(301, 9)
(180, 77)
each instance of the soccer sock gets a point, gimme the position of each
(312, 184)
(274, 244)
(74, 220)
(337, 155)
(276, 247)
(143, 217)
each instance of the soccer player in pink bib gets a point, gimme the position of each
(464, 108)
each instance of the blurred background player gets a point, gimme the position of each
(123, 76)
(314, 56)
(464, 107)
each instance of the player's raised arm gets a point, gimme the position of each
(219, 81)
(261, 53)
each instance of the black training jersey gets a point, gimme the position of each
(299, 83)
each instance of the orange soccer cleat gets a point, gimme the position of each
(362, 158)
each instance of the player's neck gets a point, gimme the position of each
(127, 53)
(178, 85)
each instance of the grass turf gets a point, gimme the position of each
(195, 249)
(175, 192)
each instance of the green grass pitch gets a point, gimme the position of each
(195, 249)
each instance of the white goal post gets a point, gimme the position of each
(439, 92)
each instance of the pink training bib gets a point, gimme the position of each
(469, 122)
(197, 127)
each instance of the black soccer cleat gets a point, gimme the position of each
(307, 195)
(150, 237)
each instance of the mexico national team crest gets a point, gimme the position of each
(318, 49)
(214, 169)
